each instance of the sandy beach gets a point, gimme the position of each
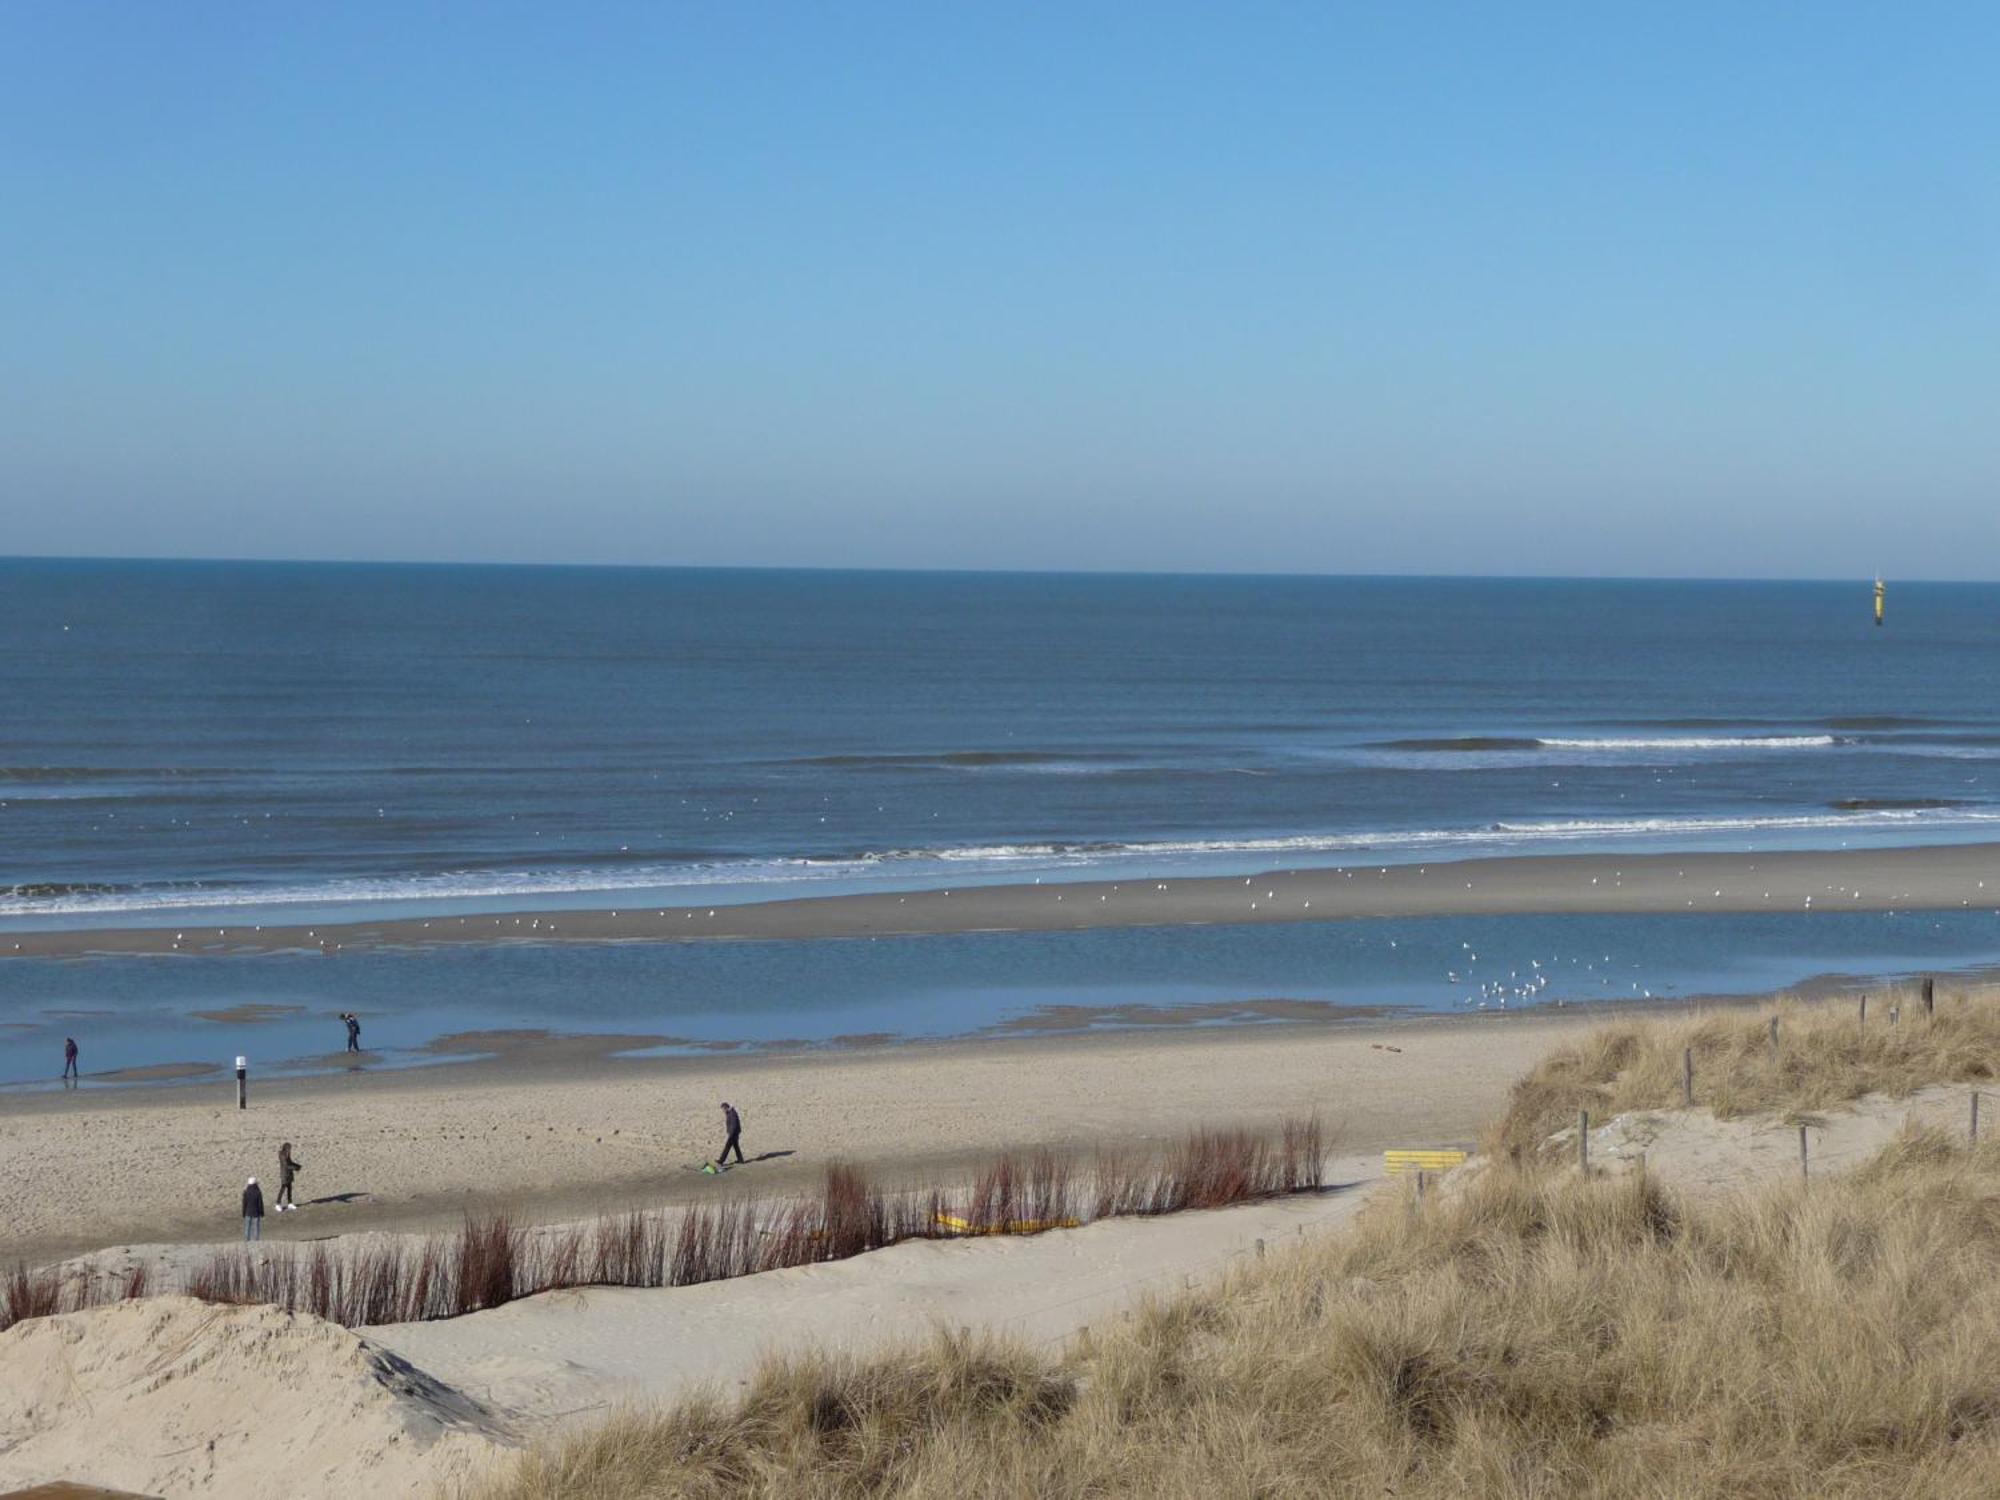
(552, 1133)
(406, 1406)
(1944, 876)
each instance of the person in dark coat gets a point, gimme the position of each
(732, 1122)
(69, 1060)
(253, 1211)
(353, 1030)
(288, 1167)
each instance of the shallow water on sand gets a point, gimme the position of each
(280, 1009)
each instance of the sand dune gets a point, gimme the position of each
(170, 1397)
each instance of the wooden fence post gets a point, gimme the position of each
(1864, 1010)
(1583, 1141)
(1802, 1151)
(1774, 1038)
(1930, 996)
(1687, 1076)
(1975, 1117)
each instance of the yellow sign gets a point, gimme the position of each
(1396, 1162)
(1013, 1226)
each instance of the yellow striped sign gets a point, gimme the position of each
(1395, 1162)
(1013, 1226)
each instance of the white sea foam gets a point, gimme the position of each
(996, 859)
(1696, 742)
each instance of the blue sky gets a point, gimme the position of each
(1416, 288)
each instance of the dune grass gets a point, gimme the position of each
(1535, 1334)
(1826, 1056)
(1529, 1333)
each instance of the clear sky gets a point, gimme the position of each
(1680, 289)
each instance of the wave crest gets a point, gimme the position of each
(998, 859)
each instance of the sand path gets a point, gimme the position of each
(561, 1354)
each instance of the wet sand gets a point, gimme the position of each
(1946, 876)
(250, 1013)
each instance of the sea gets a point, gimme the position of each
(188, 741)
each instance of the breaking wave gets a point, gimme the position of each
(1473, 744)
(997, 859)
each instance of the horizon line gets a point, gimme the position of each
(1046, 572)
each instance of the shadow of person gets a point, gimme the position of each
(335, 1198)
(771, 1155)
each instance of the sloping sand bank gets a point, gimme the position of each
(170, 1397)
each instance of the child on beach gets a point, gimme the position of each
(253, 1211)
(287, 1169)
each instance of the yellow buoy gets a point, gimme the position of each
(1878, 601)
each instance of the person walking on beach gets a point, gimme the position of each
(287, 1169)
(253, 1211)
(353, 1030)
(732, 1122)
(69, 1061)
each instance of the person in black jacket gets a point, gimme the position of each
(732, 1122)
(353, 1030)
(253, 1211)
(288, 1167)
(69, 1060)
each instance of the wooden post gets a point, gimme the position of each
(1864, 1010)
(1802, 1151)
(1583, 1141)
(1930, 996)
(1687, 1076)
(1975, 1117)
(1260, 1249)
(1895, 1014)
(242, 1083)
(1774, 1036)
(1420, 1188)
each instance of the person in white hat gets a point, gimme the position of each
(253, 1211)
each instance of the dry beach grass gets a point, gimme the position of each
(1531, 1332)
(1536, 1334)
(1825, 1055)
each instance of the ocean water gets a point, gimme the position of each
(350, 740)
(261, 741)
